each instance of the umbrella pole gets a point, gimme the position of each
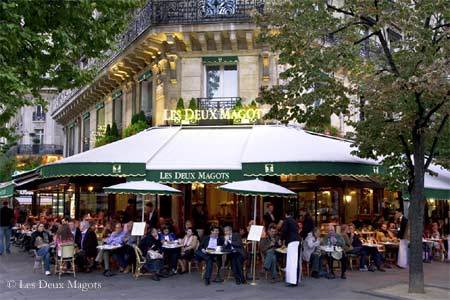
(254, 244)
(143, 202)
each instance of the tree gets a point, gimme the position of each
(390, 61)
(42, 41)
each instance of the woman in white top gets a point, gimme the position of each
(189, 244)
(311, 252)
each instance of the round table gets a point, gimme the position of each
(172, 246)
(108, 247)
(282, 250)
(211, 252)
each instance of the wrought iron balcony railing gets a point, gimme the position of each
(157, 12)
(35, 149)
(217, 103)
(38, 116)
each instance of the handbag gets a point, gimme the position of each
(154, 254)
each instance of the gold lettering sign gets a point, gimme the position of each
(244, 115)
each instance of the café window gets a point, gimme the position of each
(221, 81)
(100, 117)
(86, 132)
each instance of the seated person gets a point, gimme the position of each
(268, 245)
(116, 238)
(75, 232)
(437, 245)
(211, 241)
(233, 243)
(63, 236)
(88, 248)
(166, 236)
(365, 250)
(151, 247)
(189, 244)
(311, 252)
(40, 241)
(125, 254)
(334, 239)
(385, 234)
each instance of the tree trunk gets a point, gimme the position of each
(415, 216)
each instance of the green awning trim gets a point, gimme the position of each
(86, 115)
(145, 75)
(7, 189)
(248, 193)
(92, 169)
(436, 194)
(100, 105)
(220, 59)
(147, 192)
(116, 94)
(310, 168)
(189, 176)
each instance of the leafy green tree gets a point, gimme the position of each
(41, 41)
(180, 104)
(389, 62)
(193, 104)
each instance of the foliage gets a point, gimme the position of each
(335, 50)
(41, 40)
(7, 165)
(28, 162)
(111, 135)
(138, 124)
(193, 104)
(180, 104)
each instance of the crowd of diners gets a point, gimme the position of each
(286, 244)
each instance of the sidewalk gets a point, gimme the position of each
(17, 281)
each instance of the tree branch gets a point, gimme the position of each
(347, 26)
(440, 26)
(348, 13)
(408, 154)
(419, 103)
(431, 112)
(435, 141)
(387, 52)
(365, 38)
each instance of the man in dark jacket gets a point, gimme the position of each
(233, 243)
(211, 241)
(88, 247)
(308, 223)
(291, 239)
(269, 216)
(6, 223)
(151, 216)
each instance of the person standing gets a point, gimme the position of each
(291, 238)
(200, 219)
(269, 216)
(151, 216)
(308, 223)
(6, 223)
(403, 235)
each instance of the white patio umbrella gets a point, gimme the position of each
(143, 188)
(255, 188)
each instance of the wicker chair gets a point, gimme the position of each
(67, 255)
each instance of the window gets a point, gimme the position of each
(146, 97)
(39, 136)
(86, 133)
(221, 81)
(71, 140)
(39, 113)
(100, 118)
(117, 112)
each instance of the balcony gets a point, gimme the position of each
(38, 117)
(217, 103)
(169, 12)
(35, 149)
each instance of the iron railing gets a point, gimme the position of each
(161, 12)
(217, 103)
(38, 116)
(35, 149)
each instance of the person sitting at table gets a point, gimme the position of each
(311, 252)
(335, 240)
(385, 234)
(437, 244)
(88, 248)
(76, 233)
(116, 238)
(189, 243)
(63, 236)
(268, 245)
(125, 254)
(233, 243)
(40, 240)
(211, 241)
(376, 256)
(151, 247)
(167, 237)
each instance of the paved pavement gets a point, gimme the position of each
(17, 281)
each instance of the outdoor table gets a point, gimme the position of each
(372, 245)
(108, 247)
(172, 245)
(219, 253)
(331, 249)
(282, 250)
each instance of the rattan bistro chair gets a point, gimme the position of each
(140, 262)
(67, 256)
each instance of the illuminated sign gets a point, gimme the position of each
(244, 115)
